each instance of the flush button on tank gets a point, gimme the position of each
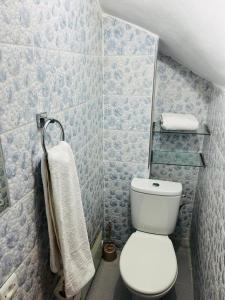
(155, 184)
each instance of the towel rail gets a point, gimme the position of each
(43, 122)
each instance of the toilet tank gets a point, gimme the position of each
(155, 205)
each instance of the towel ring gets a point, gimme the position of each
(42, 122)
(45, 129)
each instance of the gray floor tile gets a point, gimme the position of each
(108, 284)
(184, 268)
(180, 292)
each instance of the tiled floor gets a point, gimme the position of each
(108, 284)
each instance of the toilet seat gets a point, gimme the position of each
(148, 263)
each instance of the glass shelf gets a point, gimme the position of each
(202, 130)
(191, 159)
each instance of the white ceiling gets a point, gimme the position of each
(190, 31)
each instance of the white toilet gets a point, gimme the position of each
(148, 263)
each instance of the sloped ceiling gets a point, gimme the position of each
(191, 31)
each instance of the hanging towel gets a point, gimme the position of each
(70, 253)
(173, 121)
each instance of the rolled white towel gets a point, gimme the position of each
(173, 121)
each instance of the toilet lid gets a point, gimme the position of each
(148, 263)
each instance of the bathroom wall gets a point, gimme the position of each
(208, 224)
(129, 57)
(50, 60)
(127, 118)
(181, 91)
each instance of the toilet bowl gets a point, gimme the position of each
(148, 264)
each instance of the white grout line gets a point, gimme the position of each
(61, 50)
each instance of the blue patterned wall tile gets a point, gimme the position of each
(128, 75)
(55, 80)
(126, 146)
(207, 247)
(216, 118)
(64, 80)
(97, 202)
(59, 24)
(178, 90)
(18, 234)
(17, 87)
(47, 64)
(117, 178)
(188, 177)
(4, 193)
(114, 170)
(34, 277)
(127, 113)
(49, 24)
(79, 78)
(117, 209)
(94, 77)
(182, 230)
(94, 150)
(215, 169)
(15, 23)
(117, 197)
(82, 162)
(20, 149)
(208, 234)
(127, 91)
(181, 91)
(94, 28)
(92, 196)
(221, 292)
(80, 125)
(64, 91)
(122, 38)
(94, 118)
(74, 121)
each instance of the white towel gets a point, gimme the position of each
(70, 253)
(173, 121)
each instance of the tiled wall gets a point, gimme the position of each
(127, 110)
(129, 57)
(181, 91)
(208, 224)
(50, 60)
(4, 194)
